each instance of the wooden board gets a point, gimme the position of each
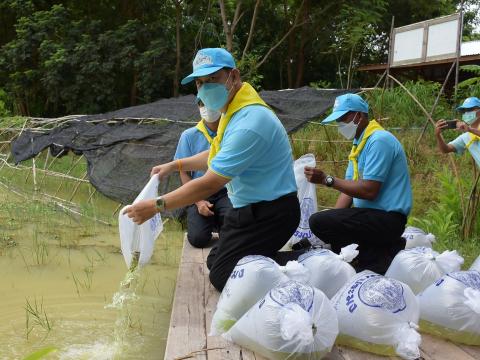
(195, 302)
(440, 349)
(186, 332)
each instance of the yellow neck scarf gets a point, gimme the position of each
(203, 129)
(357, 149)
(473, 138)
(244, 97)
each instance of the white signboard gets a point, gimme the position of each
(442, 40)
(429, 40)
(408, 46)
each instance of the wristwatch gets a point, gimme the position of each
(160, 204)
(329, 180)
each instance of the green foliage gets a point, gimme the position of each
(401, 110)
(471, 86)
(321, 84)
(356, 27)
(250, 72)
(444, 218)
(4, 103)
(59, 63)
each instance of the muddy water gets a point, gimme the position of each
(67, 272)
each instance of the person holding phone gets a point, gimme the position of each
(469, 126)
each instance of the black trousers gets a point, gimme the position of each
(257, 229)
(377, 232)
(199, 227)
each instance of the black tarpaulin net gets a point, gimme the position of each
(120, 154)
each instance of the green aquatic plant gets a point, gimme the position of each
(85, 282)
(39, 250)
(36, 315)
(40, 353)
(134, 263)
(102, 257)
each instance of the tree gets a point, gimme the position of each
(93, 56)
(178, 18)
(229, 26)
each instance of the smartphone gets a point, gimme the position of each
(451, 124)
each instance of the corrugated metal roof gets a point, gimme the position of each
(470, 48)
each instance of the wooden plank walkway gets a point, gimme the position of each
(195, 302)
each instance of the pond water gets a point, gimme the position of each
(60, 283)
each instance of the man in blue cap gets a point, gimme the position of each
(206, 215)
(251, 155)
(469, 126)
(377, 184)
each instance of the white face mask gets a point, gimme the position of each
(348, 130)
(209, 115)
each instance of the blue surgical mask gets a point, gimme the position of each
(469, 117)
(214, 95)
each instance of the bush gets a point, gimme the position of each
(470, 87)
(4, 103)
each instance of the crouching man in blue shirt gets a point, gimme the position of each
(207, 215)
(251, 155)
(377, 184)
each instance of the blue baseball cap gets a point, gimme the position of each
(209, 60)
(344, 104)
(469, 103)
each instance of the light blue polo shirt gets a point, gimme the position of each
(192, 142)
(460, 144)
(383, 159)
(256, 154)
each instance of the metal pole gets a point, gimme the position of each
(459, 49)
(390, 50)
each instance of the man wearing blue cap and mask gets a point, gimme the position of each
(206, 215)
(469, 126)
(377, 184)
(251, 155)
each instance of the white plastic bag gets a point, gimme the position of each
(307, 195)
(296, 271)
(329, 272)
(140, 238)
(293, 321)
(250, 280)
(417, 237)
(476, 264)
(421, 266)
(450, 307)
(378, 314)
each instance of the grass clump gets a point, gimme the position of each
(36, 316)
(85, 281)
